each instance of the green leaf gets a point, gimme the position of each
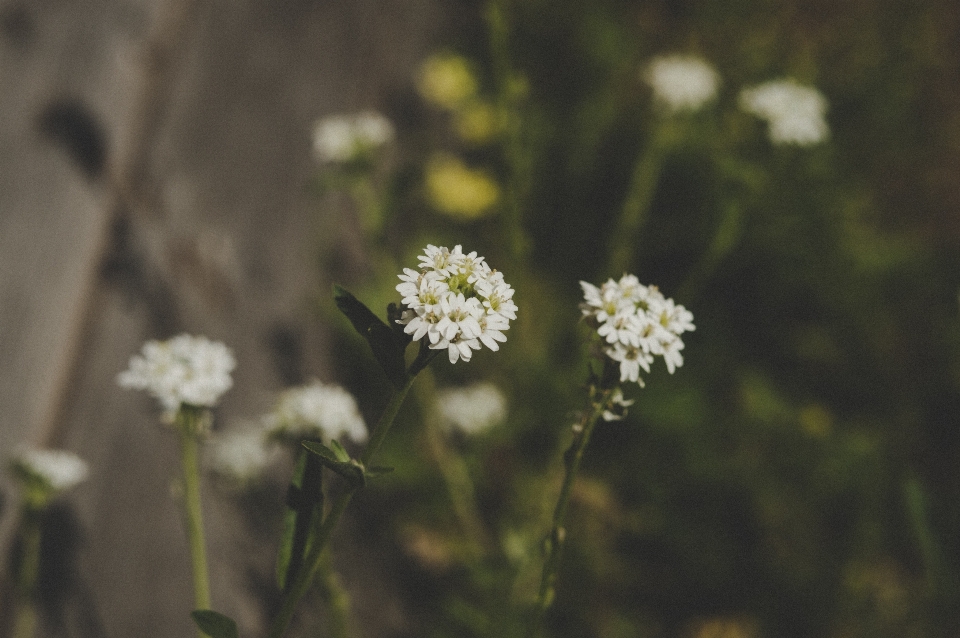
(386, 345)
(285, 551)
(339, 451)
(320, 449)
(214, 624)
(350, 470)
(304, 510)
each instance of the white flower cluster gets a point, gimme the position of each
(474, 408)
(457, 301)
(342, 138)
(183, 370)
(241, 455)
(636, 323)
(319, 411)
(795, 113)
(682, 83)
(59, 469)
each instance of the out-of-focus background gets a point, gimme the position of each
(798, 476)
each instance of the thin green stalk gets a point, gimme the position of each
(510, 92)
(337, 600)
(636, 205)
(314, 558)
(25, 623)
(917, 512)
(557, 537)
(189, 456)
(454, 472)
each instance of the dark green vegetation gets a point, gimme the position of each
(800, 475)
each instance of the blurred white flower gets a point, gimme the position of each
(795, 113)
(241, 455)
(183, 370)
(457, 301)
(636, 324)
(682, 83)
(319, 411)
(474, 408)
(59, 470)
(342, 138)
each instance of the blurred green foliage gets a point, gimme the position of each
(799, 476)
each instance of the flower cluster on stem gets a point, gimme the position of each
(636, 323)
(795, 113)
(184, 370)
(682, 83)
(456, 301)
(317, 410)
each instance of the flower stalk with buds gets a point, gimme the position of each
(454, 303)
(632, 324)
(187, 375)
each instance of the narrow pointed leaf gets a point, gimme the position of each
(284, 552)
(349, 469)
(214, 624)
(320, 449)
(339, 451)
(304, 507)
(387, 347)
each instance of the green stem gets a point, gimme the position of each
(916, 505)
(25, 623)
(636, 205)
(189, 457)
(337, 600)
(510, 92)
(454, 472)
(314, 559)
(555, 541)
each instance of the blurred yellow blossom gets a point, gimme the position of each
(477, 122)
(816, 421)
(458, 190)
(446, 80)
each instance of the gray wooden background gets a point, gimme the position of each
(153, 157)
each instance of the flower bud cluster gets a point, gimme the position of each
(317, 410)
(636, 323)
(58, 470)
(682, 83)
(456, 301)
(795, 113)
(344, 138)
(183, 370)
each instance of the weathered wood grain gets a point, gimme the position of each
(195, 220)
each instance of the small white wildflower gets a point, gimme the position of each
(343, 138)
(636, 323)
(456, 301)
(795, 113)
(682, 83)
(318, 410)
(241, 455)
(58, 469)
(474, 408)
(183, 370)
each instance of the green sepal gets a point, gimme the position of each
(350, 469)
(214, 624)
(386, 345)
